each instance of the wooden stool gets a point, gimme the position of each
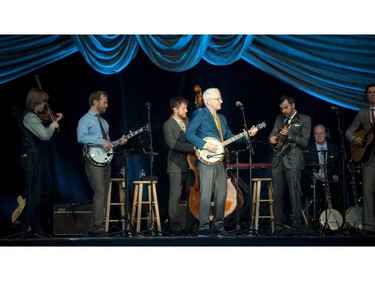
(138, 203)
(121, 186)
(258, 182)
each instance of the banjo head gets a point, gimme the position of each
(353, 217)
(209, 158)
(332, 218)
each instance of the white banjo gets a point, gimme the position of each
(100, 157)
(330, 216)
(353, 215)
(210, 158)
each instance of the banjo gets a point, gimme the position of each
(100, 157)
(353, 215)
(330, 216)
(210, 158)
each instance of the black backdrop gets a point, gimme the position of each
(70, 81)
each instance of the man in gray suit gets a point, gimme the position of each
(365, 120)
(290, 135)
(177, 167)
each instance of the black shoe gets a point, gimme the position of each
(204, 233)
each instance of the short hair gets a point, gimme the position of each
(290, 99)
(96, 95)
(176, 102)
(368, 86)
(209, 92)
(35, 97)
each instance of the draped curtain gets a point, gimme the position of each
(335, 68)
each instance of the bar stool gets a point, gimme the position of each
(138, 203)
(120, 183)
(258, 184)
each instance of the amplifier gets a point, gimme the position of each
(71, 219)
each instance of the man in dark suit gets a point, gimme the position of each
(177, 166)
(321, 159)
(365, 118)
(290, 135)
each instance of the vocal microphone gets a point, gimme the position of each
(334, 108)
(239, 104)
(147, 105)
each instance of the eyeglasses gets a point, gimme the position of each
(216, 99)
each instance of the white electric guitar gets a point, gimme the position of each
(210, 158)
(100, 157)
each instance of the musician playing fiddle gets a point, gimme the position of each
(35, 135)
(213, 178)
(289, 136)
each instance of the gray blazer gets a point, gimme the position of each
(179, 148)
(300, 136)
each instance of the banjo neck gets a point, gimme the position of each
(354, 186)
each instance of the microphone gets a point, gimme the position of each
(334, 108)
(147, 105)
(239, 104)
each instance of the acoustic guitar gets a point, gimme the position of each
(361, 152)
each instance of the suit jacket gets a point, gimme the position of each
(203, 125)
(300, 131)
(311, 157)
(360, 120)
(179, 148)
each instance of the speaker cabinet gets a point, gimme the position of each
(71, 219)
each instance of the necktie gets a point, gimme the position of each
(286, 121)
(322, 155)
(182, 125)
(218, 125)
(101, 127)
(373, 115)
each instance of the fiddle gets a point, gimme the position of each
(47, 115)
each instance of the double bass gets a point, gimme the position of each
(194, 194)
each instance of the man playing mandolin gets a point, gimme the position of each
(206, 124)
(360, 135)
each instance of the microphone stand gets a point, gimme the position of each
(343, 161)
(249, 146)
(129, 229)
(151, 226)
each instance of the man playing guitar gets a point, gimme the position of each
(360, 136)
